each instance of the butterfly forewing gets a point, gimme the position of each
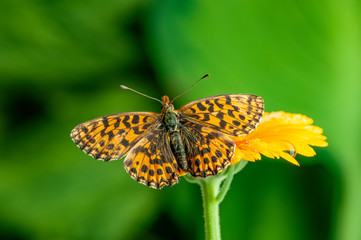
(208, 151)
(232, 114)
(152, 162)
(111, 137)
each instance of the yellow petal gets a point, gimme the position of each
(277, 134)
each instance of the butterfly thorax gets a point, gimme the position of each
(172, 126)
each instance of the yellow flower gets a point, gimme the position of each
(280, 134)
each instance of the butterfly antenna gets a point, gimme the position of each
(205, 76)
(125, 87)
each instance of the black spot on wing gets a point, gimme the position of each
(135, 119)
(220, 115)
(111, 135)
(218, 153)
(223, 124)
(206, 117)
(144, 168)
(197, 162)
(105, 122)
(230, 113)
(84, 129)
(216, 101)
(168, 170)
(235, 122)
(201, 106)
(136, 130)
(125, 121)
(124, 142)
(102, 133)
(228, 100)
(117, 123)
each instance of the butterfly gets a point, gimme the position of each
(160, 148)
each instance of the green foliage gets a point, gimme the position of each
(61, 63)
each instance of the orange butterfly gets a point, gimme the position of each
(162, 147)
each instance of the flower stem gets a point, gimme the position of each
(225, 187)
(229, 173)
(210, 188)
(213, 193)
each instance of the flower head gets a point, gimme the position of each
(280, 135)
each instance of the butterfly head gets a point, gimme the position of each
(166, 104)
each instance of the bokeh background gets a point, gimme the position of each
(61, 63)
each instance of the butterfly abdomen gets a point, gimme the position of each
(178, 150)
(172, 126)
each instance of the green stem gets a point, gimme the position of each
(225, 187)
(210, 189)
(231, 170)
(240, 165)
(213, 194)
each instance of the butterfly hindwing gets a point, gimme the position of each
(208, 151)
(152, 162)
(232, 114)
(111, 137)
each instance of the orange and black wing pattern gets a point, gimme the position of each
(208, 152)
(152, 162)
(231, 114)
(204, 128)
(111, 137)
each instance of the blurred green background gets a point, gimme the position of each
(61, 63)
